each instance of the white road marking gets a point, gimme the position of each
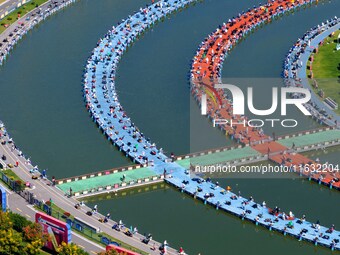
(88, 241)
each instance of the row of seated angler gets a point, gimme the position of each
(99, 82)
(293, 63)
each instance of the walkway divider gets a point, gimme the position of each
(318, 146)
(207, 152)
(96, 174)
(238, 161)
(307, 132)
(120, 186)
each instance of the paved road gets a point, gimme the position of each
(45, 192)
(8, 6)
(42, 190)
(20, 27)
(19, 205)
(15, 29)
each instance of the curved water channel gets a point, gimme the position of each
(42, 107)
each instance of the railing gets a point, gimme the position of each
(90, 232)
(97, 174)
(315, 146)
(119, 186)
(221, 149)
(85, 229)
(191, 155)
(307, 132)
(80, 226)
(237, 162)
(206, 152)
(15, 185)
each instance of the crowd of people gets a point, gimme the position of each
(18, 30)
(101, 66)
(99, 83)
(206, 71)
(293, 64)
(103, 104)
(14, 34)
(6, 140)
(207, 64)
(272, 218)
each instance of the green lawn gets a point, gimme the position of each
(10, 174)
(327, 60)
(12, 17)
(326, 69)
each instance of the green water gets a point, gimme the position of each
(41, 93)
(42, 103)
(42, 106)
(182, 221)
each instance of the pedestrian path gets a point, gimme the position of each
(102, 102)
(24, 168)
(247, 209)
(316, 138)
(295, 68)
(117, 180)
(225, 156)
(206, 71)
(111, 180)
(99, 83)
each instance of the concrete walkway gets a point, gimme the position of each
(46, 192)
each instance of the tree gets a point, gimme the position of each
(10, 242)
(70, 249)
(5, 222)
(19, 222)
(20, 236)
(34, 232)
(35, 238)
(33, 248)
(109, 252)
(27, 238)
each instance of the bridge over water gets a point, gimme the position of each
(137, 175)
(107, 112)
